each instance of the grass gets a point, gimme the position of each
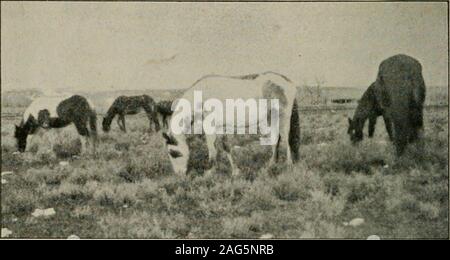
(129, 190)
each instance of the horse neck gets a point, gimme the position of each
(365, 107)
(29, 126)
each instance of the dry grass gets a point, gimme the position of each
(129, 190)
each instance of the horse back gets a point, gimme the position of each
(74, 106)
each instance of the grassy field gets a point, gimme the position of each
(129, 190)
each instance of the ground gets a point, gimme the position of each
(129, 191)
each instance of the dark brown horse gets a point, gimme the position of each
(132, 105)
(164, 110)
(367, 109)
(400, 93)
(57, 112)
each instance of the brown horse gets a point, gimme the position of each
(400, 93)
(132, 105)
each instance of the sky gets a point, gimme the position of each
(112, 46)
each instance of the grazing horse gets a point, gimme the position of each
(164, 110)
(124, 105)
(269, 86)
(368, 108)
(57, 112)
(400, 92)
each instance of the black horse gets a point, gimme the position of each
(57, 112)
(400, 94)
(367, 109)
(132, 105)
(164, 110)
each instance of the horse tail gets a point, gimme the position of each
(294, 132)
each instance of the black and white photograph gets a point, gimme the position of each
(261, 121)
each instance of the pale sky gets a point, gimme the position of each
(100, 46)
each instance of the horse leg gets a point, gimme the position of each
(212, 152)
(283, 141)
(223, 145)
(84, 132)
(165, 122)
(401, 135)
(416, 122)
(388, 125)
(372, 123)
(123, 124)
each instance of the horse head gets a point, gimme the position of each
(106, 124)
(355, 130)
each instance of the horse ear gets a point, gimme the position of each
(349, 120)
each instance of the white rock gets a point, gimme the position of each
(43, 212)
(7, 173)
(73, 237)
(125, 206)
(266, 236)
(4, 181)
(63, 163)
(356, 222)
(236, 147)
(6, 232)
(373, 237)
(16, 153)
(386, 166)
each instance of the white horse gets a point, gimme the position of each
(267, 86)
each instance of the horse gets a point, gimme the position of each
(57, 112)
(400, 92)
(163, 108)
(367, 109)
(268, 85)
(132, 105)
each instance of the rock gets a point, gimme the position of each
(43, 212)
(266, 236)
(356, 222)
(125, 206)
(63, 163)
(385, 166)
(4, 181)
(6, 232)
(236, 147)
(73, 237)
(373, 237)
(6, 173)
(16, 153)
